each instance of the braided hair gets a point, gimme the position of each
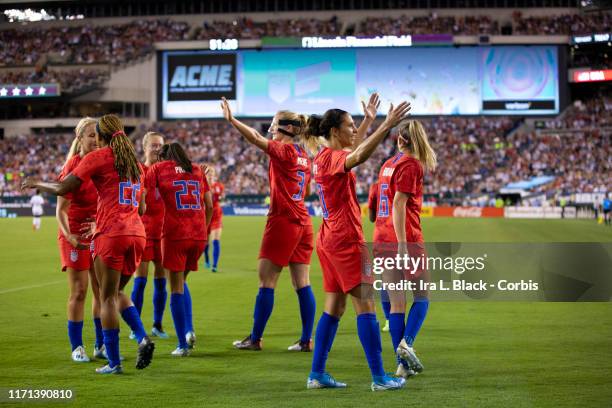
(110, 129)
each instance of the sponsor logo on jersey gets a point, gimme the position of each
(302, 161)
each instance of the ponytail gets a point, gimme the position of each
(79, 132)
(318, 128)
(175, 152)
(412, 136)
(110, 129)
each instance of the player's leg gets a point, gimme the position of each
(300, 279)
(190, 336)
(130, 316)
(368, 330)
(215, 235)
(99, 350)
(397, 317)
(177, 307)
(109, 285)
(77, 281)
(335, 305)
(206, 251)
(416, 317)
(269, 273)
(140, 283)
(386, 306)
(160, 296)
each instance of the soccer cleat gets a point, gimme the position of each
(101, 353)
(107, 369)
(207, 265)
(180, 352)
(407, 353)
(301, 346)
(387, 383)
(79, 355)
(155, 332)
(386, 326)
(145, 353)
(190, 338)
(248, 344)
(404, 370)
(214, 269)
(322, 380)
(132, 336)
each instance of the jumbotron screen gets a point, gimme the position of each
(521, 80)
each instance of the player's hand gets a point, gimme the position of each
(371, 108)
(87, 229)
(402, 249)
(227, 111)
(74, 241)
(397, 114)
(28, 183)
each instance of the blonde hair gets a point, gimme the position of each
(79, 132)
(110, 128)
(412, 136)
(149, 135)
(301, 127)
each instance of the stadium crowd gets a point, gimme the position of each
(87, 44)
(475, 155)
(69, 80)
(121, 43)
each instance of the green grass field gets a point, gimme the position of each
(514, 354)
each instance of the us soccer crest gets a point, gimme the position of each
(74, 255)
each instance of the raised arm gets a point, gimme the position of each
(369, 114)
(68, 184)
(367, 147)
(251, 135)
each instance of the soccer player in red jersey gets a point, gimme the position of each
(188, 209)
(119, 238)
(216, 224)
(372, 208)
(288, 236)
(72, 211)
(340, 243)
(398, 224)
(153, 220)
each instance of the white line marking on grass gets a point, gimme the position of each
(2, 292)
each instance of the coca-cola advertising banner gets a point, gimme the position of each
(468, 212)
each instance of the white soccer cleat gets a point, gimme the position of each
(407, 353)
(79, 355)
(190, 338)
(100, 353)
(108, 370)
(386, 326)
(404, 371)
(387, 383)
(180, 352)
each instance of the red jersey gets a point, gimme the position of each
(217, 190)
(336, 189)
(405, 174)
(118, 200)
(153, 218)
(83, 201)
(289, 177)
(183, 196)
